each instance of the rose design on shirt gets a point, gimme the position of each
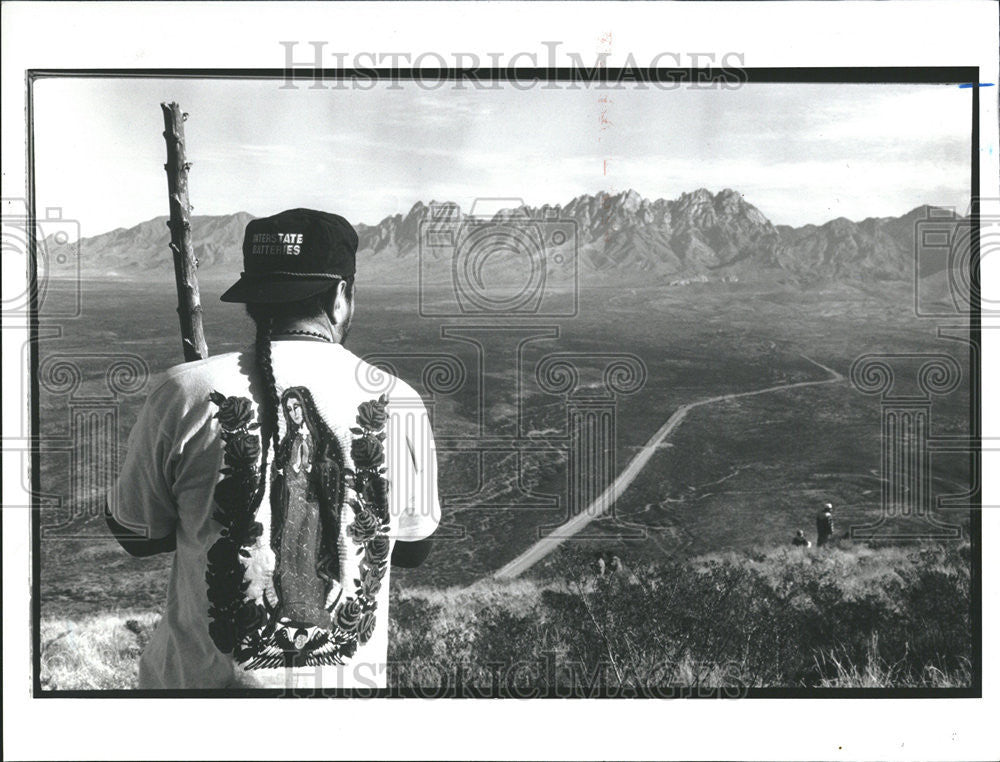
(372, 415)
(245, 531)
(234, 412)
(349, 614)
(377, 550)
(366, 452)
(236, 498)
(365, 526)
(371, 584)
(371, 509)
(260, 633)
(242, 450)
(251, 616)
(224, 634)
(366, 627)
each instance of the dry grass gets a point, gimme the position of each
(875, 672)
(848, 617)
(94, 653)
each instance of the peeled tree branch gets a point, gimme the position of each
(185, 264)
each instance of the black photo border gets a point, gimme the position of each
(961, 76)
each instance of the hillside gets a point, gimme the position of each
(623, 238)
(854, 616)
(878, 247)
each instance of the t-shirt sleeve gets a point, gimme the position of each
(142, 499)
(412, 469)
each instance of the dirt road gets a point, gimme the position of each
(546, 545)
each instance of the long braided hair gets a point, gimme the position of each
(266, 316)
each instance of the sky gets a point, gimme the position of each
(801, 153)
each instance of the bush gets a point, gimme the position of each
(853, 616)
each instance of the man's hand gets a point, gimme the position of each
(137, 545)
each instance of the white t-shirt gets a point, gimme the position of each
(295, 594)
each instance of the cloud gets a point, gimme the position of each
(802, 153)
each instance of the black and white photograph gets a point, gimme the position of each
(579, 367)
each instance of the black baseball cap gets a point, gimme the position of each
(293, 255)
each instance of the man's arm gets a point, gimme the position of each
(140, 509)
(409, 555)
(137, 545)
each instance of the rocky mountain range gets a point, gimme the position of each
(621, 238)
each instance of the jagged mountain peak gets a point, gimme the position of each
(631, 200)
(622, 235)
(698, 196)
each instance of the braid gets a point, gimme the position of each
(269, 427)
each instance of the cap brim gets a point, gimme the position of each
(274, 290)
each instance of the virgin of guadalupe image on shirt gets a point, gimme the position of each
(306, 496)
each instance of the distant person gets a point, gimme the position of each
(285, 487)
(616, 565)
(600, 565)
(800, 540)
(824, 525)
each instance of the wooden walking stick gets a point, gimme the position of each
(185, 264)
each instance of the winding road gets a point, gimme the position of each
(546, 545)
